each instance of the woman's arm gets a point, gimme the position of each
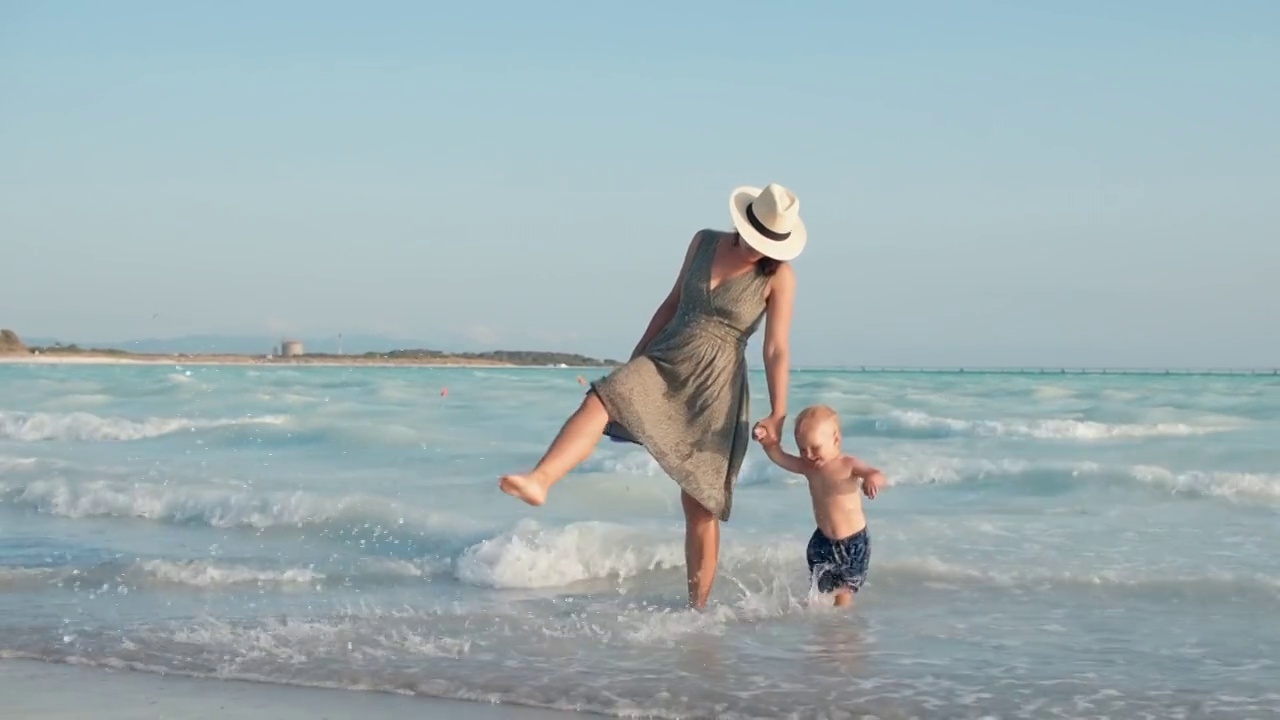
(667, 309)
(661, 317)
(777, 338)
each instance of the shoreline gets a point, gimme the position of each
(43, 690)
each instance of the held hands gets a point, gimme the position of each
(768, 432)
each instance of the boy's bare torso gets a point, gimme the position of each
(837, 497)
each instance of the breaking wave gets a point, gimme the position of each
(86, 427)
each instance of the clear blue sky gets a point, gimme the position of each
(984, 182)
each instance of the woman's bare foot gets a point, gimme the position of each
(572, 445)
(525, 487)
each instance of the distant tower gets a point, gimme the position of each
(291, 348)
(339, 343)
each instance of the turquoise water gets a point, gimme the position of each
(1050, 546)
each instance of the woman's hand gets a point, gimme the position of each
(769, 430)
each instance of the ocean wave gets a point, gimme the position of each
(87, 427)
(916, 424)
(908, 469)
(754, 471)
(900, 469)
(531, 556)
(200, 573)
(933, 571)
(222, 507)
(125, 576)
(769, 576)
(80, 400)
(18, 464)
(1237, 486)
(121, 577)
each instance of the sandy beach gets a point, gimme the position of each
(48, 691)
(230, 360)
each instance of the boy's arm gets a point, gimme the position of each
(872, 479)
(782, 458)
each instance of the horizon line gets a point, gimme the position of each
(1037, 369)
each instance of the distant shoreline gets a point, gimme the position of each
(94, 357)
(90, 357)
(243, 360)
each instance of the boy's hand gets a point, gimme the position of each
(871, 485)
(772, 443)
(763, 436)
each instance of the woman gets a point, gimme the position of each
(683, 395)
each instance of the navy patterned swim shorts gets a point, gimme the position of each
(839, 563)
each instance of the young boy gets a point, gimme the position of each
(840, 549)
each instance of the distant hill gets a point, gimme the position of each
(514, 357)
(11, 344)
(355, 348)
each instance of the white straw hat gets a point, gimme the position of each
(769, 220)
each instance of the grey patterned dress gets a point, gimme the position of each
(685, 399)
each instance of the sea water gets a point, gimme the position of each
(1048, 546)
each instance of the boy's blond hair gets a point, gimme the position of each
(816, 414)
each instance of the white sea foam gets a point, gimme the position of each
(530, 556)
(929, 569)
(915, 423)
(200, 573)
(1052, 392)
(219, 507)
(114, 575)
(75, 401)
(922, 468)
(82, 426)
(1237, 486)
(915, 468)
(754, 471)
(13, 464)
(18, 577)
(163, 573)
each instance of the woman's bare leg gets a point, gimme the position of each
(578, 437)
(701, 549)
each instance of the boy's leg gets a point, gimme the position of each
(854, 554)
(818, 557)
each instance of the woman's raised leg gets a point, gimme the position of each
(577, 438)
(701, 549)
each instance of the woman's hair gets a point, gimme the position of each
(766, 266)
